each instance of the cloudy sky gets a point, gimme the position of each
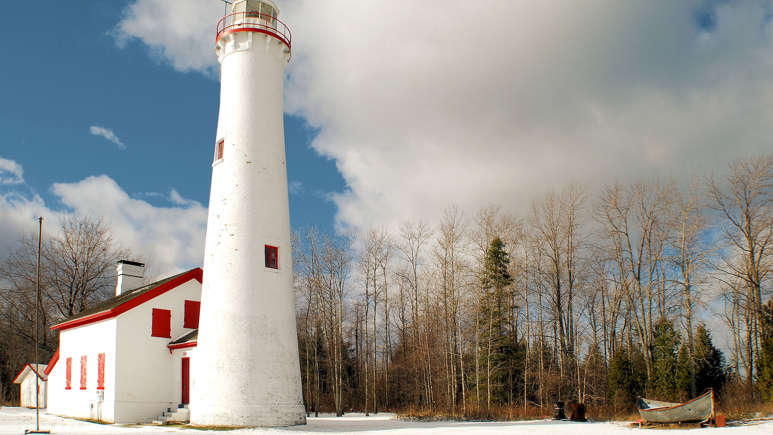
(393, 110)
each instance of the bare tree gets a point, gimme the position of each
(745, 202)
(77, 271)
(690, 256)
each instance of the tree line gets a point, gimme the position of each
(77, 270)
(587, 296)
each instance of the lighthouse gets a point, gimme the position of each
(247, 371)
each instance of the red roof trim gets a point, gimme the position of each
(131, 303)
(181, 345)
(52, 363)
(23, 370)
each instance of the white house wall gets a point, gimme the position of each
(177, 383)
(146, 382)
(27, 395)
(89, 340)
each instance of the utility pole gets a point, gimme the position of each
(35, 365)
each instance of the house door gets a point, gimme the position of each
(186, 380)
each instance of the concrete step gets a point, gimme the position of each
(159, 421)
(182, 415)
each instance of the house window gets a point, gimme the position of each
(191, 314)
(162, 323)
(68, 375)
(83, 372)
(272, 257)
(101, 371)
(219, 149)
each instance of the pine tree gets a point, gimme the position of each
(709, 362)
(665, 344)
(765, 361)
(501, 357)
(627, 373)
(683, 374)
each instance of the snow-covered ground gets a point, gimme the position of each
(16, 420)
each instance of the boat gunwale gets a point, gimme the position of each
(662, 408)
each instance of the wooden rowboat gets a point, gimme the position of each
(700, 408)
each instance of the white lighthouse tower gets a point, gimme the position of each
(247, 371)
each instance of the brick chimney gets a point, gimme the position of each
(130, 275)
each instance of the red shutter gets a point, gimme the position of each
(101, 371)
(272, 257)
(191, 314)
(83, 372)
(68, 375)
(162, 323)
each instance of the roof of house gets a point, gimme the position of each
(128, 300)
(52, 362)
(190, 339)
(30, 368)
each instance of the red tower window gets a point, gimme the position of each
(191, 314)
(219, 149)
(162, 323)
(68, 375)
(272, 257)
(83, 372)
(101, 371)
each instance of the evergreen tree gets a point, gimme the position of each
(709, 363)
(665, 345)
(765, 361)
(683, 374)
(626, 378)
(501, 358)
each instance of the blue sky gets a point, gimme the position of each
(65, 73)
(480, 103)
(382, 126)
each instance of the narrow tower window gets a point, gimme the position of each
(272, 257)
(219, 150)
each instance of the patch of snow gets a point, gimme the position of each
(16, 420)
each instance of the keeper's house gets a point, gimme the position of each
(128, 359)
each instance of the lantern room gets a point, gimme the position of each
(264, 9)
(254, 16)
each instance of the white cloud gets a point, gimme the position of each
(169, 239)
(10, 172)
(181, 33)
(295, 187)
(107, 134)
(475, 103)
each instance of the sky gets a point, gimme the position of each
(393, 111)
(97, 123)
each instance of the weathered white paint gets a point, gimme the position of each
(139, 369)
(89, 340)
(247, 370)
(145, 370)
(26, 382)
(129, 275)
(176, 379)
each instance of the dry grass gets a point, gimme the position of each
(495, 413)
(741, 409)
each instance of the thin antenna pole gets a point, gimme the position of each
(35, 365)
(37, 314)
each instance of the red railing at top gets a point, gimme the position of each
(255, 22)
